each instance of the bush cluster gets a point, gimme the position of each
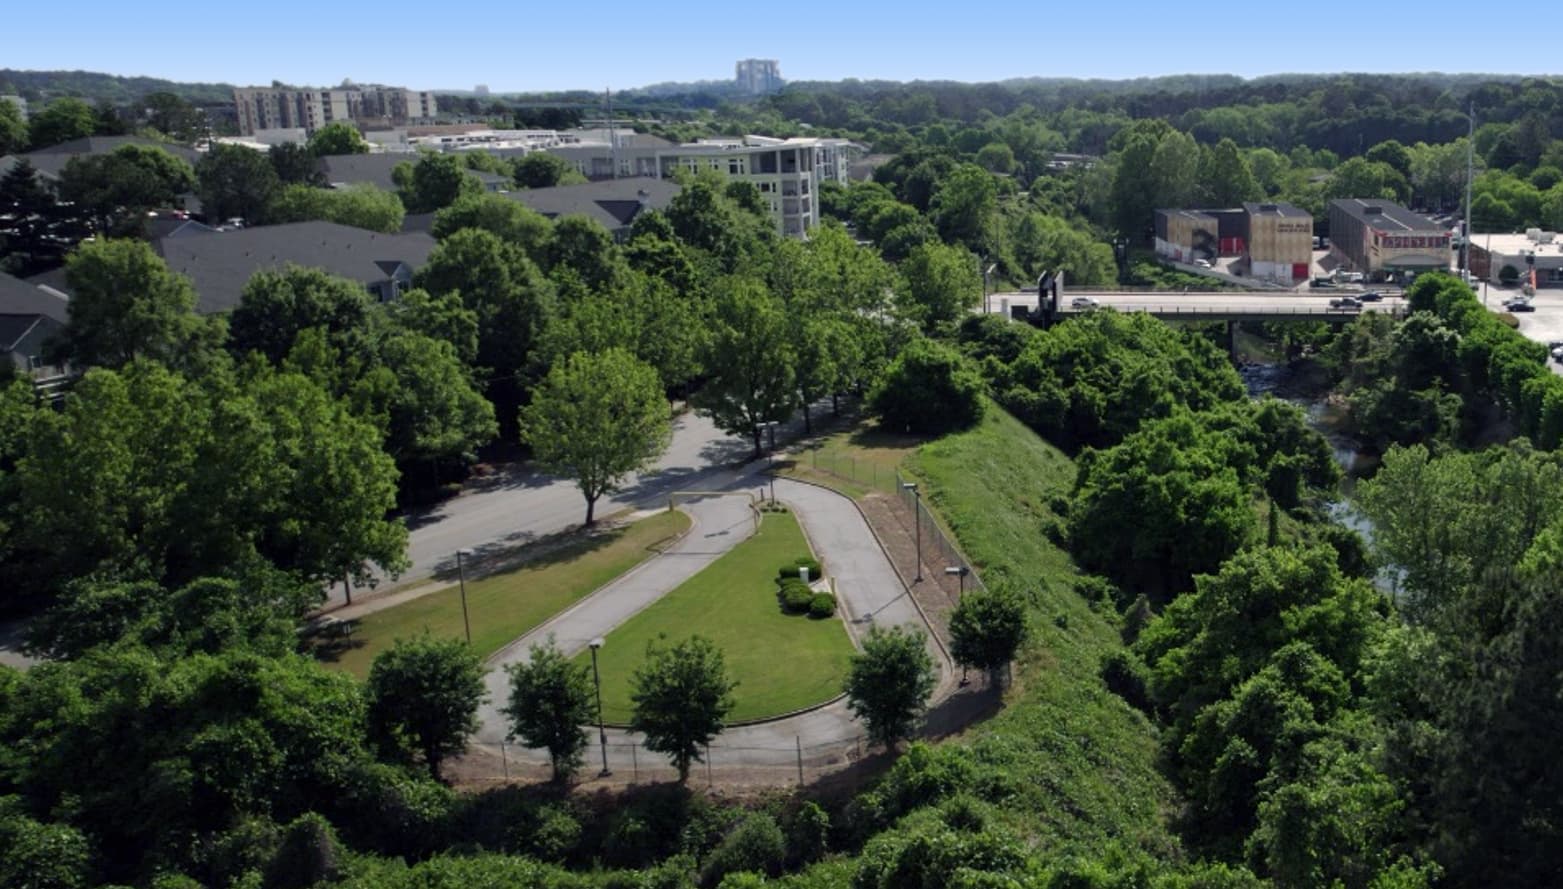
(816, 571)
(822, 605)
(796, 597)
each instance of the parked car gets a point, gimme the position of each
(1519, 305)
(1322, 284)
(1371, 296)
(1346, 302)
(1083, 302)
(1202, 263)
(1557, 353)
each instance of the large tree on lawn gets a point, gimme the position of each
(596, 418)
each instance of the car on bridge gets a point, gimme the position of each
(1346, 303)
(1519, 305)
(1372, 296)
(1083, 302)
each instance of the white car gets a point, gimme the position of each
(1202, 263)
(1083, 302)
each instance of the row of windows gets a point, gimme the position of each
(1411, 243)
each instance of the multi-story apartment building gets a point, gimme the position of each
(788, 172)
(757, 77)
(270, 108)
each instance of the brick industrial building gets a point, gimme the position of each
(1383, 240)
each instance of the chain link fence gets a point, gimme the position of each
(847, 466)
(633, 763)
(931, 536)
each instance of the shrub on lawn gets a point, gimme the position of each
(796, 596)
(822, 605)
(792, 569)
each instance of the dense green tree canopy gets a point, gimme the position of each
(361, 206)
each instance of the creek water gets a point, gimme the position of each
(1301, 385)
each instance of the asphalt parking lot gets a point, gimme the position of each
(1545, 325)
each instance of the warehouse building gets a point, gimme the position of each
(1273, 241)
(1385, 241)
(1187, 235)
(1517, 259)
(1279, 241)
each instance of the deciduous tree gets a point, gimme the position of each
(682, 696)
(126, 304)
(337, 138)
(117, 190)
(550, 699)
(751, 361)
(61, 121)
(422, 696)
(889, 682)
(361, 206)
(596, 418)
(987, 628)
(235, 182)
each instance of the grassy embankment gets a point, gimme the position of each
(506, 605)
(1085, 761)
(782, 662)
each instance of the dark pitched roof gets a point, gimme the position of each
(221, 264)
(18, 297)
(50, 161)
(173, 227)
(371, 169)
(14, 327)
(613, 202)
(1386, 216)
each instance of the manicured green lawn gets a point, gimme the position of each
(782, 661)
(506, 605)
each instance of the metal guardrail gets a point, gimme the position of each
(1243, 311)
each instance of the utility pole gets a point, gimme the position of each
(1470, 172)
(613, 139)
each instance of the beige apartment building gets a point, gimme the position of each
(273, 108)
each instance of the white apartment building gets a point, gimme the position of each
(788, 172)
(271, 108)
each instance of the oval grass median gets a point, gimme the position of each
(782, 662)
(507, 604)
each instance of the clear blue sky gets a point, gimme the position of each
(514, 45)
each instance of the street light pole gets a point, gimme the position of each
(961, 572)
(917, 522)
(602, 728)
(461, 572)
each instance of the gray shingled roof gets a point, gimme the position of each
(50, 161)
(18, 297)
(614, 202)
(220, 264)
(370, 169)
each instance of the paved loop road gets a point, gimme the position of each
(868, 589)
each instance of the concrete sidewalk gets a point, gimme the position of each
(719, 524)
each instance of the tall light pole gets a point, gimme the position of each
(602, 728)
(917, 522)
(987, 269)
(461, 572)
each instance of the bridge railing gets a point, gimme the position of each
(1244, 311)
